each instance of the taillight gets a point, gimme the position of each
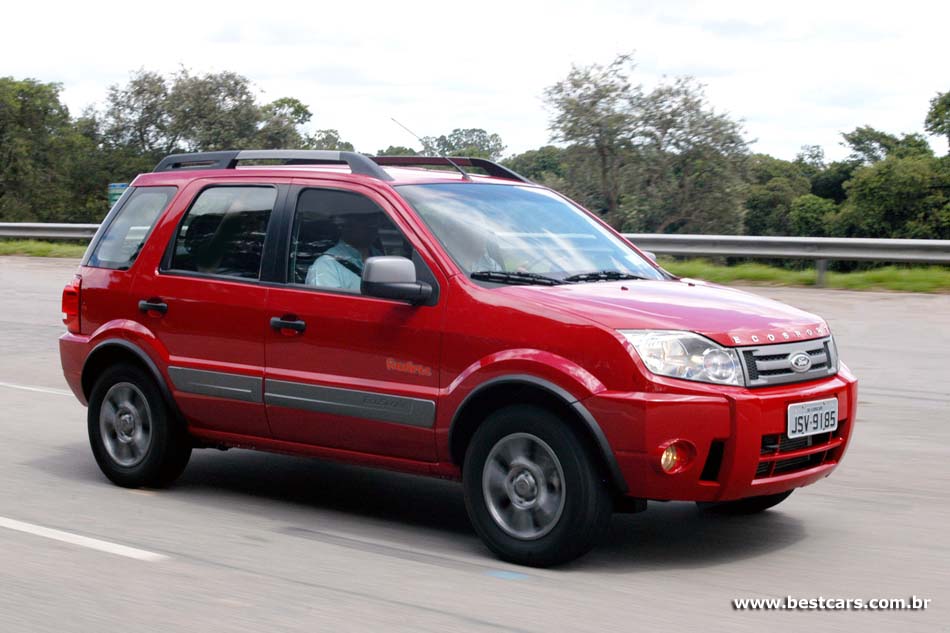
(72, 300)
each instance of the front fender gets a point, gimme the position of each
(561, 378)
(575, 381)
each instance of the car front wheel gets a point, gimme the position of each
(534, 493)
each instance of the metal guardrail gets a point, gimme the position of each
(820, 249)
(827, 248)
(47, 231)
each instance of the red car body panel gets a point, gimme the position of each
(565, 337)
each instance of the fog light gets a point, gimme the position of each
(670, 458)
(676, 456)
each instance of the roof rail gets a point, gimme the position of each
(491, 168)
(358, 163)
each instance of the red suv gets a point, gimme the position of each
(445, 317)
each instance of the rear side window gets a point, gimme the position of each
(124, 237)
(223, 232)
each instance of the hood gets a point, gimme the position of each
(729, 317)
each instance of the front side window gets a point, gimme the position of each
(125, 236)
(334, 233)
(514, 233)
(223, 232)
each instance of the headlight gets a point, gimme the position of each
(686, 355)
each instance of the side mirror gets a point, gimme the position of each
(390, 277)
(649, 254)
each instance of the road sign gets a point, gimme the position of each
(115, 191)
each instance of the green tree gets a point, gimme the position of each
(869, 145)
(153, 115)
(897, 197)
(689, 162)
(594, 109)
(662, 161)
(810, 215)
(56, 168)
(938, 117)
(39, 149)
(327, 139)
(214, 111)
(397, 150)
(773, 184)
(138, 117)
(811, 161)
(472, 142)
(537, 164)
(829, 182)
(279, 127)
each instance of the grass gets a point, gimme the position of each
(35, 248)
(906, 279)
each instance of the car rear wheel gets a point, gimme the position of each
(533, 491)
(135, 439)
(749, 505)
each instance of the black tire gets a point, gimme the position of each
(749, 505)
(585, 512)
(168, 447)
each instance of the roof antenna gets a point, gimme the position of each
(442, 155)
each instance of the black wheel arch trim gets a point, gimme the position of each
(603, 446)
(139, 353)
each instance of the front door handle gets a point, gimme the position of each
(285, 323)
(153, 307)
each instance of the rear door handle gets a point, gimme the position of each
(153, 305)
(282, 323)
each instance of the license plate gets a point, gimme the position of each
(811, 418)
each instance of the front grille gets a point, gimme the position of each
(776, 445)
(772, 444)
(767, 365)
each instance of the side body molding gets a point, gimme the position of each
(367, 405)
(215, 383)
(356, 403)
(600, 440)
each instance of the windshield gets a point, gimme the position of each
(494, 232)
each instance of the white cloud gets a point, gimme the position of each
(796, 73)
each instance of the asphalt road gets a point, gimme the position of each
(254, 542)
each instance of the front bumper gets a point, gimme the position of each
(726, 426)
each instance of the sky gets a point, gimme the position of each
(795, 73)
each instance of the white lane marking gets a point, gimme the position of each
(82, 541)
(58, 392)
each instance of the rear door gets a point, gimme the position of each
(205, 304)
(358, 373)
(107, 267)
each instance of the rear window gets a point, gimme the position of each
(223, 232)
(127, 231)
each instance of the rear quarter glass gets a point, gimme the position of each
(126, 229)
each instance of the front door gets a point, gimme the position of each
(345, 370)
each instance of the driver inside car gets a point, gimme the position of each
(341, 265)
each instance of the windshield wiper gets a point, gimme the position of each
(510, 277)
(602, 275)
